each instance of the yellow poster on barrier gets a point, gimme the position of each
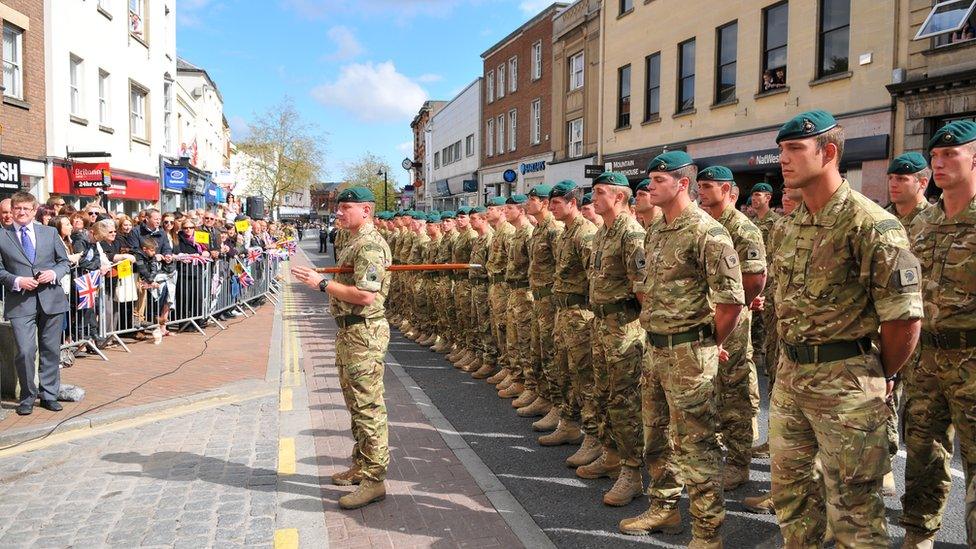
(124, 268)
(242, 226)
(201, 237)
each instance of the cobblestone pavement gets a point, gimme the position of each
(207, 479)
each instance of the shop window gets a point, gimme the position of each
(835, 37)
(949, 22)
(775, 34)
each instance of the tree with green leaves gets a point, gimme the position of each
(283, 153)
(368, 172)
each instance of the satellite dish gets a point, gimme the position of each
(407, 163)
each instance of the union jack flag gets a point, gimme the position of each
(254, 254)
(87, 286)
(245, 279)
(194, 259)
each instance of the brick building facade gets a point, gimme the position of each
(419, 127)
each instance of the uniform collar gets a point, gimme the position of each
(827, 216)
(683, 220)
(965, 217)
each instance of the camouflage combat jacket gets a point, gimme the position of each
(480, 251)
(369, 256)
(517, 269)
(746, 238)
(766, 224)
(542, 263)
(498, 254)
(908, 219)
(462, 247)
(618, 260)
(574, 250)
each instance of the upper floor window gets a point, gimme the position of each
(835, 37)
(513, 74)
(501, 133)
(775, 29)
(623, 96)
(104, 95)
(75, 83)
(686, 75)
(725, 65)
(13, 61)
(575, 138)
(490, 137)
(537, 60)
(137, 18)
(626, 6)
(437, 160)
(652, 85)
(501, 81)
(138, 122)
(469, 145)
(535, 131)
(512, 126)
(949, 22)
(576, 71)
(491, 86)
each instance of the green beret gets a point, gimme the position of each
(517, 199)
(587, 199)
(616, 179)
(716, 173)
(497, 201)
(541, 191)
(642, 186)
(479, 210)
(435, 212)
(464, 210)
(418, 215)
(448, 214)
(907, 164)
(356, 194)
(562, 188)
(670, 161)
(433, 217)
(806, 125)
(953, 134)
(762, 188)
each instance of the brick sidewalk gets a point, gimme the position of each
(127, 379)
(432, 500)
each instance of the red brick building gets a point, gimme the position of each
(516, 108)
(22, 114)
(419, 127)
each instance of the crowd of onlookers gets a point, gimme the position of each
(166, 253)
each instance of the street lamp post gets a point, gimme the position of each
(385, 185)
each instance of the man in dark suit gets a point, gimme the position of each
(32, 261)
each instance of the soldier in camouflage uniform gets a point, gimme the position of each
(842, 271)
(356, 302)
(497, 287)
(482, 342)
(572, 362)
(518, 330)
(617, 339)
(419, 228)
(542, 267)
(442, 297)
(737, 382)
(647, 212)
(692, 295)
(588, 212)
(461, 253)
(427, 283)
(941, 391)
(761, 197)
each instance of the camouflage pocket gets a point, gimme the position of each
(861, 447)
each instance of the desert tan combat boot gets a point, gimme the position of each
(506, 383)
(567, 432)
(350, 476)
(734, 476)
(588, 451)
(436, 342)
(629, 485)
(916, 540)
(425, 339)
(524, 399)
(549, 422)
(512, 391)
(762, 504)
(472, 366)
(442, 346)
(761, 451)
(498, 377)
(607, 465)
(467, 358)
(368, 492)
(711, 543)
(888, 488)
(655, 519)
(537, 408)
(454, 354)
(486, 371)
(404, 325)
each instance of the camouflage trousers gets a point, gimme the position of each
(461, 329)
(444, 306)
(483, 341)
(680, 445)
(737, 387)
(360, 351)
(498, 301)
(423, 313)
(770, 344)
(573, 367)
(543, 348)
(834, 410)
(971, 510)
(618, 353)
(940, 398)
(518, 336)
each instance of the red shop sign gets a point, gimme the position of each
(90, 176)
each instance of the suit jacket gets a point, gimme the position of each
(49, 255)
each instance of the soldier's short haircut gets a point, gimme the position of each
(835, 136)
(926, 173)
(625, 190)
(575, 194)
(691, 172)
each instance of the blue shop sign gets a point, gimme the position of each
(532, 167)
(211, 193)
(174, 179)
(510, 176)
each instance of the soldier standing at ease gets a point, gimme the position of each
(427, 288)
(461, 253)
(842, 271)
(415, 257)
(617, 339)
(497, 287)
(765, 217)
(442, 289)
(482, 343)
(941, 391)
(691, 298)
(572, 366)
(357, 302)
(588, 212)
(518, 331)
(737, 382)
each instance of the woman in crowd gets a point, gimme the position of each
(190, 283)
(127, 237)
(110, 253)
(170, 229)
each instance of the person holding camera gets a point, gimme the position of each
(32, 262)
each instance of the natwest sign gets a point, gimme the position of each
(90, 176)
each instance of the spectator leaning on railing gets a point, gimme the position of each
(32, 261)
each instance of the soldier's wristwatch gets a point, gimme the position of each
(323, 284)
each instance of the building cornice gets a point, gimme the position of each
(961, 79)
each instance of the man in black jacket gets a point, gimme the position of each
(150, 229)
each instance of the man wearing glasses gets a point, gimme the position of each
(209, 220)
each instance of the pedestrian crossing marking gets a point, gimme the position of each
(286, 538)
(286, 456)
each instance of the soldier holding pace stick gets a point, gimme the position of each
(357, 302)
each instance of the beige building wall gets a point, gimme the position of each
(576, 29)
(660, 25)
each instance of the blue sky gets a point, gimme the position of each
(359, 69)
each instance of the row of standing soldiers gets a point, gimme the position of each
(631, 334)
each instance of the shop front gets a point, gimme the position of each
(578, 170)
(634, 163)
(21, 174)
(454, 192)
(215, 195)
(174, 181)
(514, 178)
(81, 183)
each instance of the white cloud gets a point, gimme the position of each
(347, 47)
(406, 147)
(532, 7)
(430, 77)
(191, 13)
(372, 92)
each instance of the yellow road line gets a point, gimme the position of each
(286, 538)
(286, 456)
(285, 403)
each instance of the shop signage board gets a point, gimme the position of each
(9, 173)
(90, 176)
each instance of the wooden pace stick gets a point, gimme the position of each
(419, 267)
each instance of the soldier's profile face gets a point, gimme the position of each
(589, 212)
(663, 187)
(512, 212)
(604, 197)
(560, 207)
(760, 198)
(801, 162)
(535, 205)
(902, 187)
(953, 166)
(710, 193)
